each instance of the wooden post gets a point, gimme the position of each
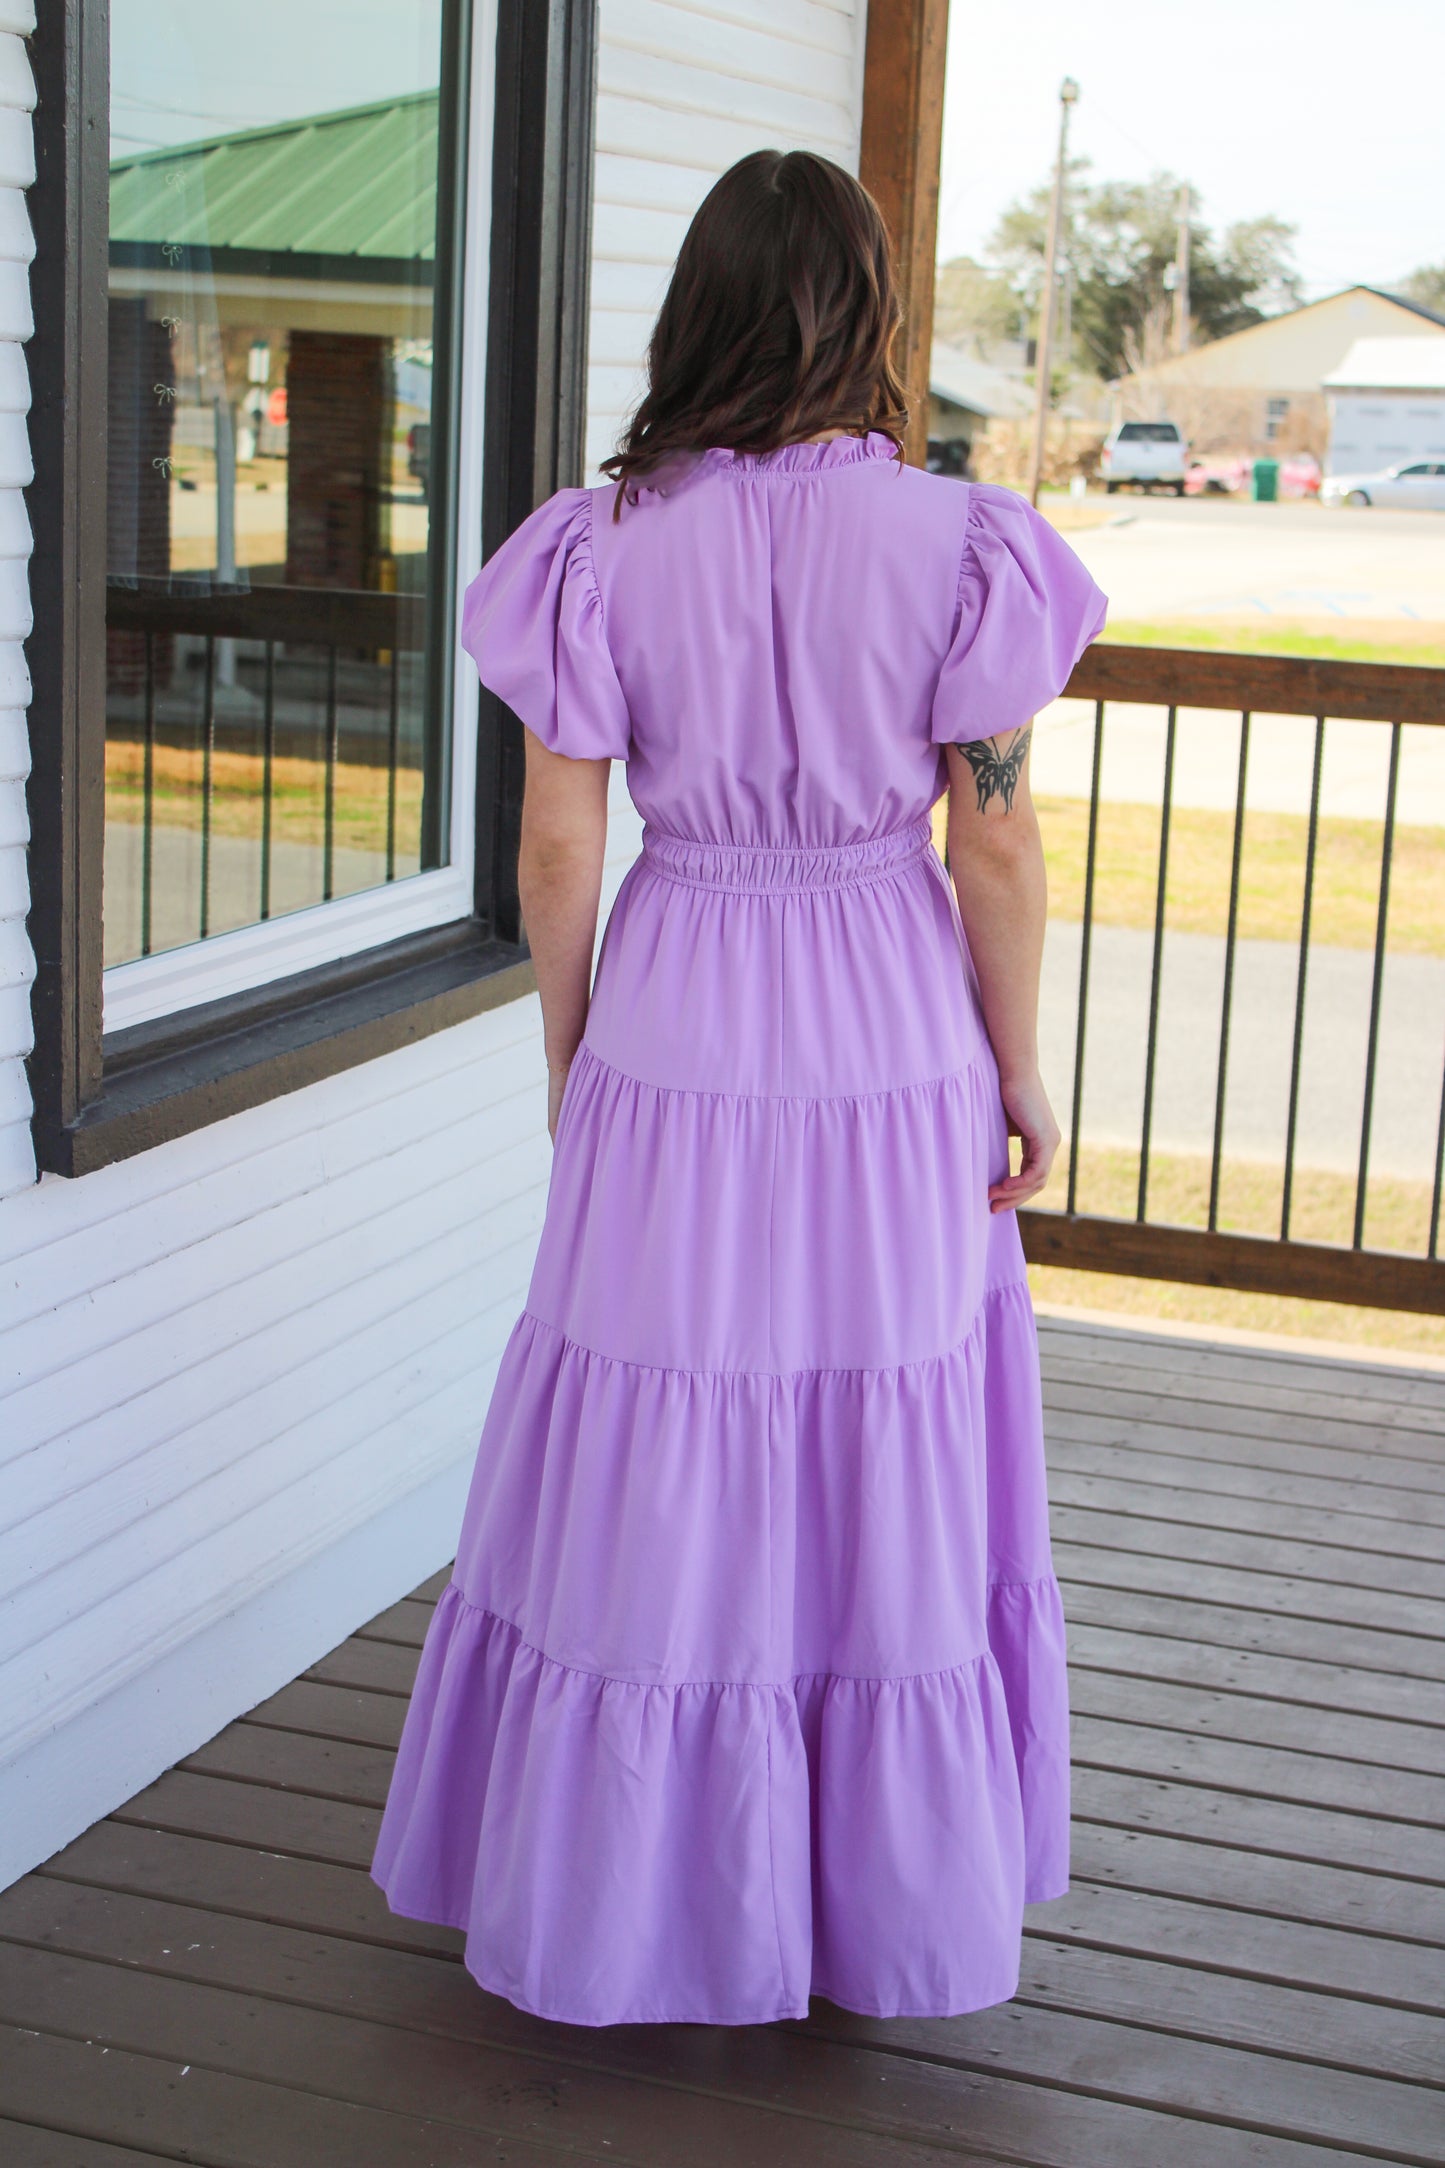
(898, 163)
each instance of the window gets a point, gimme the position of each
(278, 681)
(1275, 413)
(1148, 433)
(309, 342)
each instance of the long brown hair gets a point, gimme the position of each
(778, 323)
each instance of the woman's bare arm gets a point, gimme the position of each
(996, 858)
(559, 881)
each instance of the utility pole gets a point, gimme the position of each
(1066, 329)
(1068, 98)
(1181, 275)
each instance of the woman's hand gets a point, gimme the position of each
(557, 1075)
(1031, 1118)
(559, 882)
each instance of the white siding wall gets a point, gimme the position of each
(241, 1376)
(684, 87)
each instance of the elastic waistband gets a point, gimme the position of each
(746, 868)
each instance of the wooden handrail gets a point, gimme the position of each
(1188, 677)
(320, 616)
(1245, 1264)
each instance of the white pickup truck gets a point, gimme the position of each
(1149, 454)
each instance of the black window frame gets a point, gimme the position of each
(98, 1097)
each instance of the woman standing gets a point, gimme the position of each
(749, 1682)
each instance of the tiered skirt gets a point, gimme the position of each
(749, 1682)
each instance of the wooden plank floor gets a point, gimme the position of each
(1247, 1974)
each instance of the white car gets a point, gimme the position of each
(1152, 455)
(1418, 483)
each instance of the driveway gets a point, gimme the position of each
(1164, 557)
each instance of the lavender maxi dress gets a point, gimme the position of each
(749, 1681)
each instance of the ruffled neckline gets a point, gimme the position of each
(801, 459)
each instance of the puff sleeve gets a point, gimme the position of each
(1027, 609)
(532, 623)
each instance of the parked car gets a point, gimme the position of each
(950, 455)
(1299, 475)
(1151, 455)
(1221, 476)
(1215, 477)
(1419, 483)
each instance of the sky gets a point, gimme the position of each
(1331, 116)
(215, 65)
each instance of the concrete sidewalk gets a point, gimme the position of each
(1206, 758)
(1337, 1009)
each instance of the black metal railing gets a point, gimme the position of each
(1258, 689)
(299, 626)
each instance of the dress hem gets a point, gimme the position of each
(793, 2013)
(514, 1766)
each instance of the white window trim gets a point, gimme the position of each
(234, 963)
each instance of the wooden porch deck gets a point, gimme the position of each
(1248, 1970)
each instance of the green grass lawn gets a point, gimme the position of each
(298, 796)
(1322, 1208)
(1347, 874)
(1398, 1218)
(1327, 639)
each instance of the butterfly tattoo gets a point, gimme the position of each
(996, 767)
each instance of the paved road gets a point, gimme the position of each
(1202, 557)
(1411, 1047)
(1206, 557)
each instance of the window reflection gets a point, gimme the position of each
(270, 547)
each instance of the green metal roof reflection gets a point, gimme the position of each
(360, 184)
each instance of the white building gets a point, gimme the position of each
(273, 1153)
(1262, 389)
(1386, 404)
